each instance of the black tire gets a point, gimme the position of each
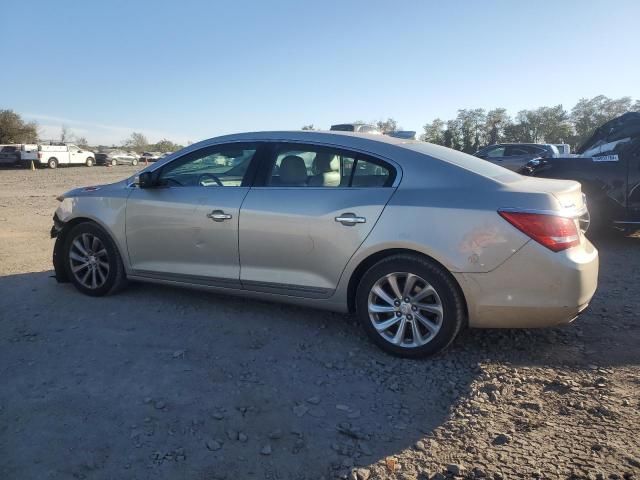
(452, 301)
(116, 278)
(114, 162)
(89, 162)
(134, 162)
(52, 162)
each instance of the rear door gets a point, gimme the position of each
(186, 228)
(310, 210)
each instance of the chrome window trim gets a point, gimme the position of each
(382, 158)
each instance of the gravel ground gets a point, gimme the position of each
(161, 382)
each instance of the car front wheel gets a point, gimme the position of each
(409, 306)
(92, 260)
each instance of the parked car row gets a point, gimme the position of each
(53, 155)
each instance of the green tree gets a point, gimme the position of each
(471, 128)
(137, 142)
(494, 127)
(434, 132)
(308, 127)
(555, 126)
(589, 113)
(388, 125)
(452, 135)
(13, 129)
(164, 146)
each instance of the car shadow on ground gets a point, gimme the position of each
(161, 382)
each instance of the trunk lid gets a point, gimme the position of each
(568, 193)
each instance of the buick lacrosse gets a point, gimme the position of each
(417, 240)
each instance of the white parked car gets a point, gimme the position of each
(28, 153)
(55, 155)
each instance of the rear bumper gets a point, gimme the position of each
(534, 288)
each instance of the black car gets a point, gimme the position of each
(608, 169)
(515, 155)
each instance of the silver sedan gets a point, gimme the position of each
(417, 240)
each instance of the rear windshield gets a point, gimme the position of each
(468, 162)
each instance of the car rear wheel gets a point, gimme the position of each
(409, 306)
(92, 260)
(52, 163)
(114, 162)
(134, 162)
(89, 162)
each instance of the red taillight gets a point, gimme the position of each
(554, 232)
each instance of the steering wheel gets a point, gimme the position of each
(204, 176)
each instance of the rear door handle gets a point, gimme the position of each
(219, 216)
(350, 219)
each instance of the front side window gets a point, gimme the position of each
(217, 166)
(315, 166)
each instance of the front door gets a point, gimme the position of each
(308, 214)
(186, 227)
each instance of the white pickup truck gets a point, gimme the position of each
(55, 155)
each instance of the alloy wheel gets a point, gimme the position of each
(89, 261)
(405, 309)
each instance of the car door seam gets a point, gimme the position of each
(364, 239)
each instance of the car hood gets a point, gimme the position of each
(96, 190)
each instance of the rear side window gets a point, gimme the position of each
(495, 152)
(370, 174)
(295, 165)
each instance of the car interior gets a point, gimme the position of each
(295, 168)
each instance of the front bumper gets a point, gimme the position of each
(57, 232)
(534, 288)
(57, 226)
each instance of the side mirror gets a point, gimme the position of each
(146, 180)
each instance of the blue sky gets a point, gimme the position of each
(190, 70)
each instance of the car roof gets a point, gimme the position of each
(335, 137)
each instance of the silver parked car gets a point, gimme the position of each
(418, 240)
(117, 157)
(514, 156)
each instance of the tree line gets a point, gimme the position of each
(473, 129)
(14, 129)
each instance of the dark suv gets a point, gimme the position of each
(514, 156)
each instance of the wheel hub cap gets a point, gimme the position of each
(89, 261)
(405, 309)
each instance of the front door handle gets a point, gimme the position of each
(350, 219)
(219, 216)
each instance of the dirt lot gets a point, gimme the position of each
(160, 382)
